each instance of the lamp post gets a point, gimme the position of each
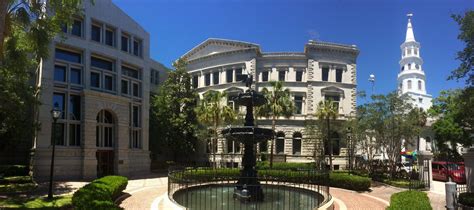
(372, 80)
(55, 112)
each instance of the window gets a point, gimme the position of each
(75, 76)
(325, 73)
(215, 78)
(299, 104)
(109, 37)
(95, 33)
(109, 82)
(229, 75)
(338, 75)
(135, 127)
(281, 75)
(263, 146)
(59, 101)
(124, 43)
(137, 47)
(416, 51)
(335, 140)
(409, 84)
(58, 135)
(102, 64)
(155, 77)
(68, 56)
(419, 85)
(130, 72)
(76, 28)
(95, 79)
(420, 100)
(74, 134)
(401, 86)
(75, 107)
(207, 78)
(233, 147)
(195, 81)
(297, 143)
(239, 77)
(265, 76)
(231, 103)
(125, 87)
(335, 100)
(403, 68)
(417, 67)
(64, 28)
(409, 66)
(299, 76)
(280, 143)
(60, 73)
(136, 89)
(105, 129)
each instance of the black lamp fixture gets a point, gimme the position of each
(55, 113)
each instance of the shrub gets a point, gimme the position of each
(100, 193)
(350, 182)
(16, 180)
(264, 165)
(13, 170)
(467, 199)
(409, 200)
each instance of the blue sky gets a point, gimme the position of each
(377, 27)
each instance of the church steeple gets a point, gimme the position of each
(411, 79)
(410, 37)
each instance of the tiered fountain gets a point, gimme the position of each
(248, 188)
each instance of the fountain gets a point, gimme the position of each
(203, 188)
(248, 187)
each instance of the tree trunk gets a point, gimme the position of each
(272, 141)
(330, 144)
(3, 15)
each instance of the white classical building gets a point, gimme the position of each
(100, 75)
(322, 71)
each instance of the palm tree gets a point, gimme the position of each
(279, 103)
(327, 110)
(212, 112)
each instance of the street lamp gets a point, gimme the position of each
(56, 113)
(372, 80)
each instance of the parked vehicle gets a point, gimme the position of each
(449, 171)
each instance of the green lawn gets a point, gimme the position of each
(37, 203)
(17, 188)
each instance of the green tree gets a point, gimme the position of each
(279, 104)
(173, 121)
(26, 30)
(450, 127)
(213, 112)
(327, 111)
(465, 69)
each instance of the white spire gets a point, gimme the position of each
(410, 37)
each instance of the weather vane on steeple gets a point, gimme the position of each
(409, 15)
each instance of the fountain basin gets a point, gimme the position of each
(221, 196)
(248, 134)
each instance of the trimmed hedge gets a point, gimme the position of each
(265, 165)
(100, 193)
(409, 200)
(350, 182)
(339, 179)
(14, 170)
(467, 199)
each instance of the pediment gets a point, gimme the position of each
(214, 46)
(332, 90)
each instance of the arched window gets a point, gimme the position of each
(409, 84)
(263, 146)
(403, 68)
(419, 85)
(417, 66)
(105, 129)
(416, 51)
(280, 143)
(409, 66)
(401, 86)
(297, 143)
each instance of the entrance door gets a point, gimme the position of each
(105, 162)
